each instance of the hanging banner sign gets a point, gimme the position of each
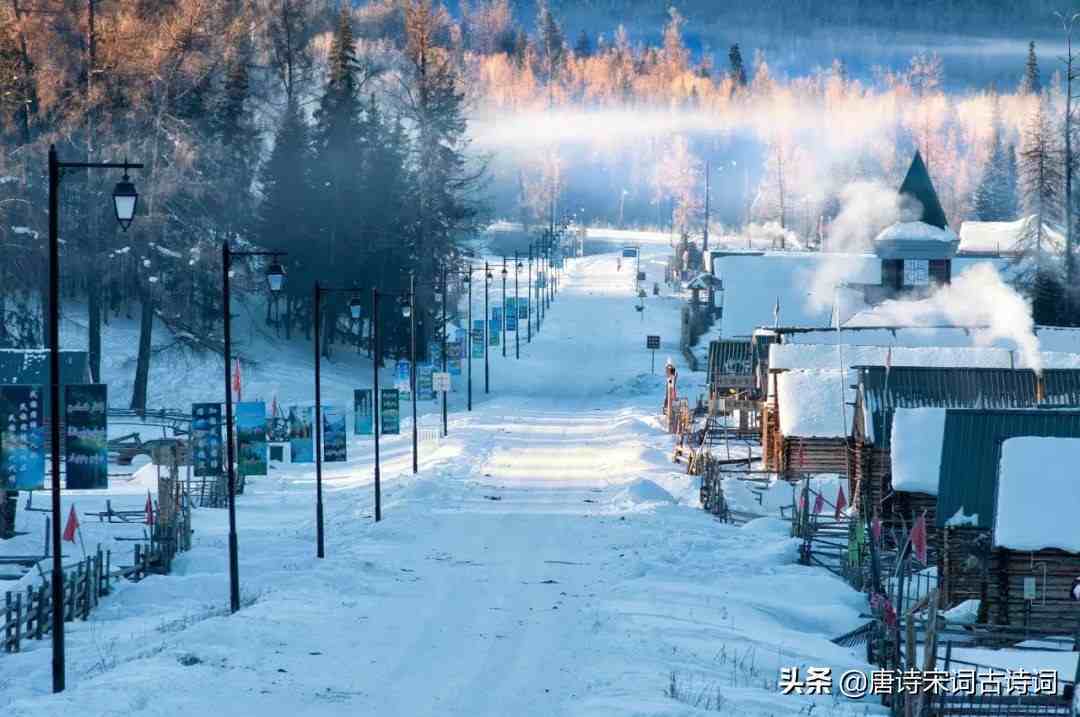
(478, 339)
(494, 331)
(390, 411)
(86, 437)
(511, 314)
(206, 439)
(523, 308)
(334, 444)
(440, 381)
(425, 391)
(401, 376)
(22, 445)
(301, 443)
(251, 438)
(453, 356)
(364, 416)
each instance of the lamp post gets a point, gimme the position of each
(408, 310)
(443, 295)
(355, 311)
(529, 299)
(487, 329)
(517, 313)
(375, 400)
(125, 200)
(504, 316)
(275, 279)
(468, 281)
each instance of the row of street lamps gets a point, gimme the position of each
(125, 202)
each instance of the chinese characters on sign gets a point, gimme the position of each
(86, 443)
(389, 413)
(206, 438)
(856, 684)
(22, 443)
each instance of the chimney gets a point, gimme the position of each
(1040, 389)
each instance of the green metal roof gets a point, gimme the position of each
(30, 367)
(971, 452)
(952, 387)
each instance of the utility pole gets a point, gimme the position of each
(487, 329)
(705, 242)
(517, 313)
(412, 368)
(528, 298)
(377, 399)
(445, 301)
(503, 327)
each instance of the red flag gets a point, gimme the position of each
(875, 529)
(149, 509)
(841, 503)
(819, 503)
(71, 526)
(237, 382)
(918, 538)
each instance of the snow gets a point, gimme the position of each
(825, 356)
(547, 559)
(752, 285)
(920, 231)
(918, 435)
(809, 402)
(1038, 494)
(960, 519)
(1004, 237)
(966, 613)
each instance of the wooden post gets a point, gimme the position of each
(18, 620)
(42, 623)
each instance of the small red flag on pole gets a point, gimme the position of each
(71, 526)
(149, 509)
(841, 503)
(918, 538)
(237, 381)
(819, 503)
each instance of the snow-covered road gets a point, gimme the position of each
(547, 560)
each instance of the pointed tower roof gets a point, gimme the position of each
(918, 186)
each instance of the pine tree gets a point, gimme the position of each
(1031, 82)
(1048, 299)
(1040, 176)
(552, 47)
(738, 69)
(995, 195)
(583, 47)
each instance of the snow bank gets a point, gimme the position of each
(1038, 494)
(966, 613)
(753, 284)
(643, 492)
(992, 237)
(810, 402)
(917, 438)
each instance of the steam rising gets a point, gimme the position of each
(978, 297)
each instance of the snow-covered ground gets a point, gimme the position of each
(548, 559)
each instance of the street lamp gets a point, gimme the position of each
(124, 200)
(504, 317)
(487, 329)
(517, 313)
(469, 330)
(275, 280)
(529, 298)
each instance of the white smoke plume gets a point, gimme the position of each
(978, 297)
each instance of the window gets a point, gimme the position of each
(916, 272)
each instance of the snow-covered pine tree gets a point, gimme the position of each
(995, 195)
(738, 68)
(1030, 81)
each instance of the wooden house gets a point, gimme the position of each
(881, 392)
(730, 367)
(805, 421)
(989, 558)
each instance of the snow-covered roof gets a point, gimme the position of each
(832, 356)
(1038, 495)
(804, 283)
(703, 281)
(1052, 339)
(1004, 237)
(813, 404)
(917, 437)
(915, 231)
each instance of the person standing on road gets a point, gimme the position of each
(671, 393)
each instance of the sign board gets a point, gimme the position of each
(652, 342)
(629, 252)
(22, 442)
(478, 338)
(86, 441)
(301, 441)
(641, 276)
(206, 439)
(511, 314)
(733, 381)
(453, 356)
(401, 376)
(440, 381)
(425, 391)
(737, 404)
(334, 444)
(523, 307)
(251, 438)
(363, 415)
(494, 332)
(390, 411)
(1029, 588)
